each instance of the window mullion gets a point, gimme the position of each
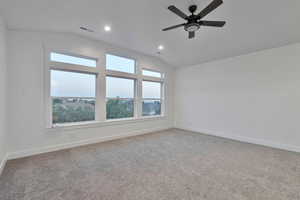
(162, 96)
(72, 67)
(120, 74)
(153, 79)
(48, 99)
(101, 94)
(139, 92)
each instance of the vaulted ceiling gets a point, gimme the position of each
(136, 24)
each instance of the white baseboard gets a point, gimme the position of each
(3, 163)
(31, 152)
(286, 147)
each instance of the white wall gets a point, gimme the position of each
(254, 98)
(26, 89)
(3, 76)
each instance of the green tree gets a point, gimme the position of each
(119, 108)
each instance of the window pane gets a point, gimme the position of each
(119, 108)
(151, 73)
(119, 87)
(73, 97)
(120, 95)
(57, 57)
(68, 110)
(151, 107)
(72, 84)
(151, 90)
(121, 64)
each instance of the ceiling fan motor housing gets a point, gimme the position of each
(193, 8)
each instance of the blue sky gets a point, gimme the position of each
(72, 60)
(71, 84)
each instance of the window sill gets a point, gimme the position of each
(95, 124)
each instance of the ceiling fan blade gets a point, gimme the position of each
(191, 35)
(173, 27)
(177, 12)
(213, 5)
(212, 23)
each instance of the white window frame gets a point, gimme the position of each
(151, 70)
(60, 66)
(134, 98)
(126, 75)
(100, 104)
(120, 72)
(162, 92)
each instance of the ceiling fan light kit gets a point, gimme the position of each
(191, 27)
(194, 22)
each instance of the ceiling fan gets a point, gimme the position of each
(194, 21)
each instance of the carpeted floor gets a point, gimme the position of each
(167, 165)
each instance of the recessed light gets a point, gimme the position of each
(107, 28)
(160, 47)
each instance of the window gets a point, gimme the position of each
(152, 73)
(57, 57)
(151, 98)
(119, 98)
(69, 103)
(120, 64)
(80, 90)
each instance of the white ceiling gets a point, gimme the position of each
(136, 24)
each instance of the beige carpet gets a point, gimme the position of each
(168, 165)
